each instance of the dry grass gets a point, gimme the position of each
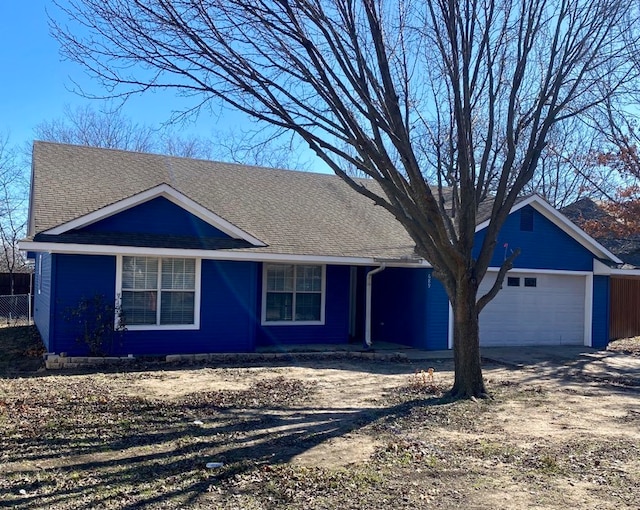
(626, 345)
(316, 435)
(20, 350)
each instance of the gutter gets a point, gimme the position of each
(248, 254)
(602, 269)
(367, 327)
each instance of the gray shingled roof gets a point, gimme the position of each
(292, 212)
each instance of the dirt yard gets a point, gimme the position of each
(331, 434)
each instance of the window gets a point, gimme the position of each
(530, 282)
(513, 281)
(526, 219)
(293, 294)
(159, 292)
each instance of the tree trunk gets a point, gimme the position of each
(466, 343)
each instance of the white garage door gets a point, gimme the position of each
(534, 309)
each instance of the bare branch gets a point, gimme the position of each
(444, 104)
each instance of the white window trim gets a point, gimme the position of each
(160, 327)
(293, 322)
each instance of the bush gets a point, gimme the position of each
(94, 319)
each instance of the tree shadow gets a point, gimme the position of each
(590, 367)
(159, 456)
(170, 464)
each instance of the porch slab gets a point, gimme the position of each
(384, 349)
(320, 347)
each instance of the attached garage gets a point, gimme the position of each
(535, 309)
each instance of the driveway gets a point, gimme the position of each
(572, 360)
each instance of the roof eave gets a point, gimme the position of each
(240, 255)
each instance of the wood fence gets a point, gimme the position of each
(625, 308)
(22, 283)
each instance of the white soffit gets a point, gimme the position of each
(602, 269)
(240, 254)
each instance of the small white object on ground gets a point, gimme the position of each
(198, 422)
(213, 465)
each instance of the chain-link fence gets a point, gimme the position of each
(15, 310)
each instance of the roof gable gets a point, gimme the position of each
(158, 216)
(562, 222)
(92, 221)
(542, 244)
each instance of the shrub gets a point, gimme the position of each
(94, 320)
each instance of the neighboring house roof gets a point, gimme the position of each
(267, 212)
(586, 209)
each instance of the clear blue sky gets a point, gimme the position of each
(36, 83)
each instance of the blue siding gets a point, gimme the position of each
(158, 216)
(399, 306)
(600, 318)
(410, 307)
(42, 297)
(227, 320)
(546, 247)
(336, 327)
(437, 319)
(227, 316)
(78, 277)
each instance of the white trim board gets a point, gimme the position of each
(588, 310)
(450, 327)
(540, 271)
(562, 222)
(165, 191)
(601, 269)
(95, 249)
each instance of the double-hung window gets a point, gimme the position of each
(293, 294)
(159, 292)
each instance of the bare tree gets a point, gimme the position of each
(444, 104)
(259, 148)
(568, 169)
(84, 125)
(110, 128)
(13, 198)
(614, 218)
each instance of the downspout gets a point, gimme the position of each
(367, 326)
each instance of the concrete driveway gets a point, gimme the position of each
(563, 361)
(570, 360)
